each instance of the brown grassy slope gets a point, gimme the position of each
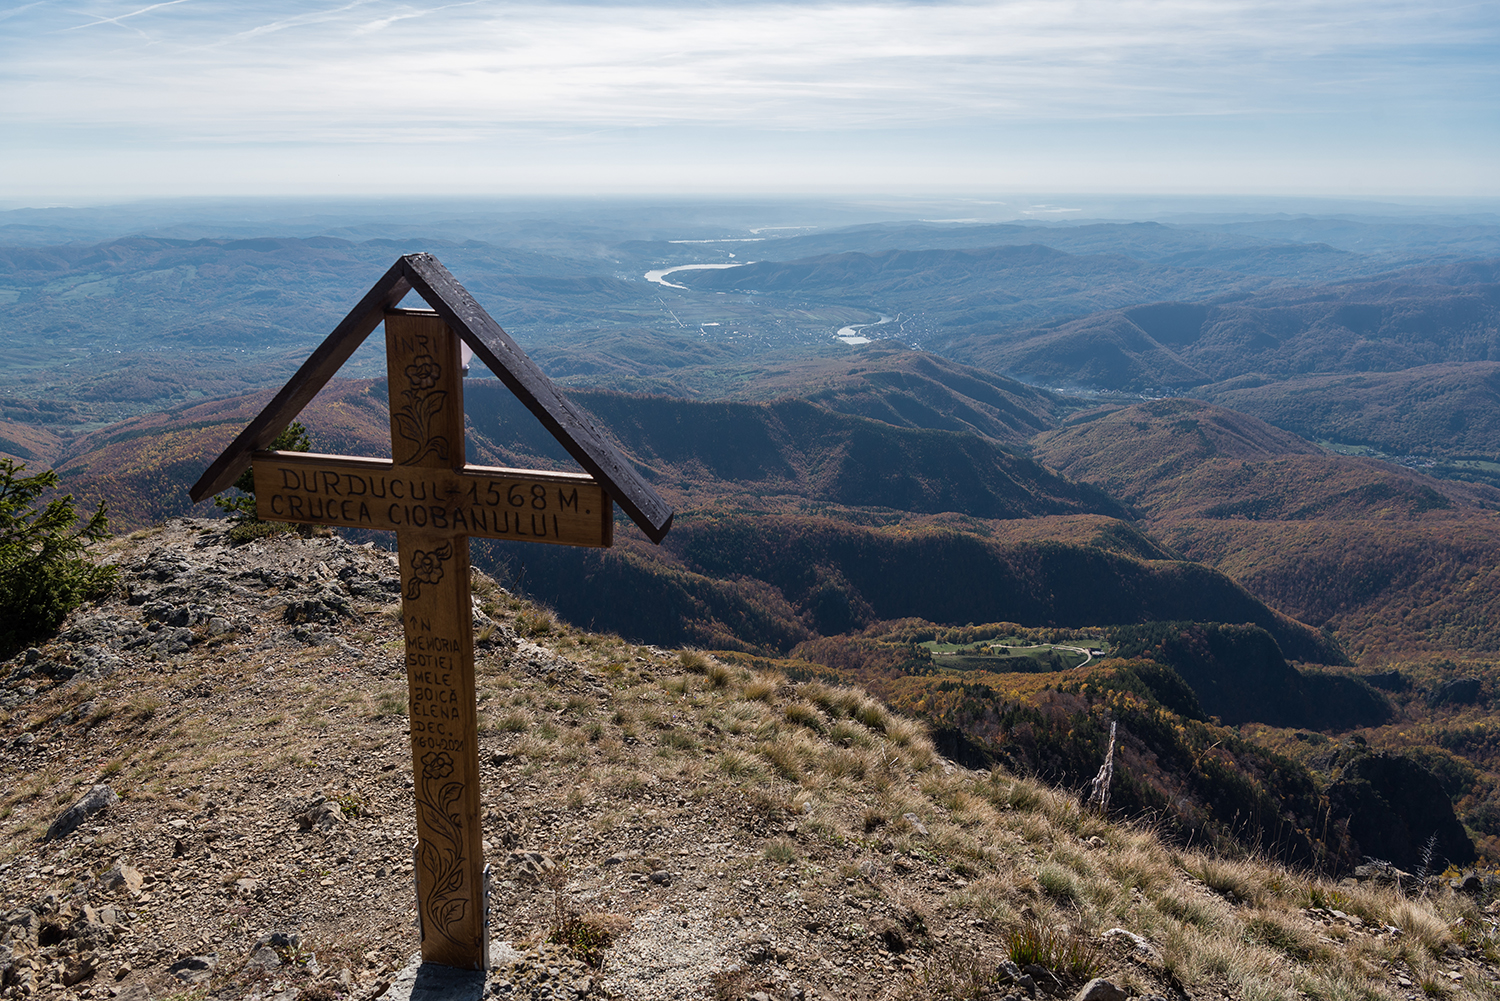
(997, 696)
(1450, 409)
(812, 837)
(29, 443)
(143, 467)
(695, 452)
(1394, 561)
(884, 381)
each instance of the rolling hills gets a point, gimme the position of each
(787, 448)
(883, 380)
(1450, 410)
(1003, 286)
(1152, 242)
(104, 331)
(1406, 319)
(1391, 561)
(796, 520)
(1395, 562)
(145, 322)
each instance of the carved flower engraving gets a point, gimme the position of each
(427, 568)
(436, 765)
(441, 849)
(415, 420)
(423, 372)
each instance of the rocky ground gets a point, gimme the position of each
(662, 824)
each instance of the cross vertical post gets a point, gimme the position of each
(427, 432)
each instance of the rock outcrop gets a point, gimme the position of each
(1395, 807)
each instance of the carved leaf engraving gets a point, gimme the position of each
(441, 854)
(414, 421)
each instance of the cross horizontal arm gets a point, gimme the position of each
(492, 502)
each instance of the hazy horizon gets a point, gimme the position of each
(1374, 227)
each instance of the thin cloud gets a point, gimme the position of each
(380, 24)
(487, 72)
(122, 17)
(6, 15)
(297, 21)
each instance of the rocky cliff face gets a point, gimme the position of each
(661, 824)
(1399, 813)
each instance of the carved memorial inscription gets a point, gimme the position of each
(494, 503)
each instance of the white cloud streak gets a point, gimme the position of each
(122, 18)
(979, 85)
(262, 72)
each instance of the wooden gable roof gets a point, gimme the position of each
(572, 427)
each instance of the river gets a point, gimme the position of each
(660, 277)
(851, 334)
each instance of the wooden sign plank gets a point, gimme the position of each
(491, 502)
(435, 614)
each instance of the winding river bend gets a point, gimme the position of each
(851, 334)
(660, 277)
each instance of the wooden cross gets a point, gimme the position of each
(434, 501)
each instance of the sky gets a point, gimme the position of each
(103, 100)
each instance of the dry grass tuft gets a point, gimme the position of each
(758, 689)
(1283, 932)
(143, 707)
(1236, 880)
(1139, 863)
(1059, 883)
(1417, 921)
(959, 972)
(872, 714)
(738, 765)
(1066, 955)
(839, 762)
(514, 721)
(785, 756)
(848, 732)
(804, 714)
(1187, 908)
